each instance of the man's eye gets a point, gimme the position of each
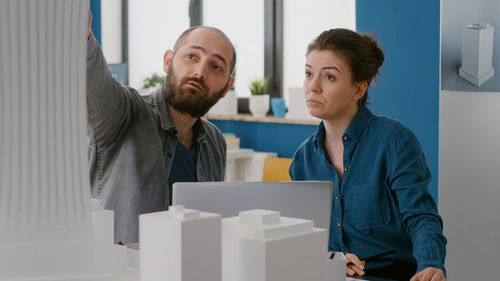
(190, 56)
(216, 67)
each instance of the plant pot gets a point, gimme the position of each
(259, 105)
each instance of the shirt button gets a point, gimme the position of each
(336, 198)
(345, 169)
(338, 225)
(346, 138)
(169, 154)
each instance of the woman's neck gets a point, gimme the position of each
(335, 127)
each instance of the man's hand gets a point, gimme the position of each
(429, 274)
(89, 25)
(356, 267)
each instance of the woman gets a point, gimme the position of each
(381, 201)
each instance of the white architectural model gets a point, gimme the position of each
(45, 222)
(477, 53)
(180, 245)
(336, 267)
(261, 245)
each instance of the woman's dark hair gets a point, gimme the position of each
(360, 51)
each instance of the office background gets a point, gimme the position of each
(458, 130)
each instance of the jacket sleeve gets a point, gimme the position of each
(111, 106)
(409, 177)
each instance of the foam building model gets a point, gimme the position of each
(46, 230)
(336, 267)
(180, 245)
(262, 245)
(477, 53)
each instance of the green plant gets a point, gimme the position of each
(154, 80)
(259, 86)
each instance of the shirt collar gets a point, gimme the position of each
(166, 122)
(353, 131)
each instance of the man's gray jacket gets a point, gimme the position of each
(132, 143)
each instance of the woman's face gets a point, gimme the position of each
(329, 87)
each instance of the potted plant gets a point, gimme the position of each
(259, 100)
(151, 83)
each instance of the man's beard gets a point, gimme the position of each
(189, 101)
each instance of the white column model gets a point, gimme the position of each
(261, 245)
(45, 225)
(477, 53)
(180, 245)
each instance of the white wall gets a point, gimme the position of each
(243, 23)
(111, 28)
(154, 25)
(304, 20)
(469, 183)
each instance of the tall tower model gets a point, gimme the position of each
(45, 225)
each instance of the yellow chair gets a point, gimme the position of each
(276, 169)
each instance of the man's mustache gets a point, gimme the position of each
(198, 81)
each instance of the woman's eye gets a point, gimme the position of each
(308, 74)
(330, 77)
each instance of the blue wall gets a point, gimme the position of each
(268, 137)
(95, 8)
(407, 88)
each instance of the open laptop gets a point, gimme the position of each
(310, 200)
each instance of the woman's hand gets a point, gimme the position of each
(354, 265)
(429, 274)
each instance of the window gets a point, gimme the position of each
(243, 23)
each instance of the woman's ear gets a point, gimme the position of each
(360, 90)
(167, 59)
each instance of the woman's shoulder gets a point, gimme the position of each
(388, 126)
(309, 143)
(391, 131)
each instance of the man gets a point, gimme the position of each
(141, 145)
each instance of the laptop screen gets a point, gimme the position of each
(310, 200)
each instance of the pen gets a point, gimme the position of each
(375, 256)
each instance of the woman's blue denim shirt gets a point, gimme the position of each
(383, 202)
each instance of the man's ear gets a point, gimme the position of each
(229, 85)
(167, 59)
(360, 90)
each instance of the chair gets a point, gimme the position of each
(276, 169)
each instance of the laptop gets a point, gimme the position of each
(310, 200)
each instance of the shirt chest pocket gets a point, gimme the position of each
(367, 206)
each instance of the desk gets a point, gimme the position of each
(368, 278)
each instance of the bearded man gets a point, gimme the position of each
(141, 145)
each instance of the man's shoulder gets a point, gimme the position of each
(211, 129)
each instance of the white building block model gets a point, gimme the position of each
(261, 245)
(180, 245)
(336, 267)
(45, 219)
(477, 53)
(107, 252)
